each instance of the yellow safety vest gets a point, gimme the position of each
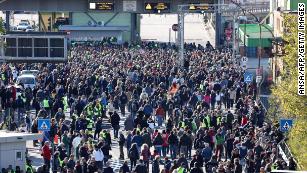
(3, 77)
(89, 112)
(97, 110)
(138, 130)
(207, 118)
(46, 103)
(180, 170)
(29, 167)
(219, 118)
(103, 135)
(201, 86)
(182, 124)
(89, 123)
(61, 162)
(274, 167)
(65, 103)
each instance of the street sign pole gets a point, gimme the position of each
(169, 34)
(45, 125)
(234, 36)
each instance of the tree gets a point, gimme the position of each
(290, 103)
(2, 29)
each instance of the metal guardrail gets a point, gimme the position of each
(285, 152)
(283, 148)
(283, 145)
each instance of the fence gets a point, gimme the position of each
(285, 152)
(283, 148)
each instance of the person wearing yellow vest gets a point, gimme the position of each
(46, 105)
(57, 163)
(89, 110)
(182, 124)
(29, 168)
(90, 124)
(219, 120)
(103, 134)
(181, 169)
(138, 128)
(206, 122)
(65, 102)
(97, 110)
(274, 167)
(3, 77)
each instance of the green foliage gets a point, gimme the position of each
(2, 29)
(286, 98)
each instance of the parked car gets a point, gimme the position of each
(30, 30)
(24, 25)
(27, 80)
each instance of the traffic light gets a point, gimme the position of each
(49, 24)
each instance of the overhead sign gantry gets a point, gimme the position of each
(117, 6)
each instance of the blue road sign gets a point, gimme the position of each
(285, 124)
(43, 124)
(248, 77)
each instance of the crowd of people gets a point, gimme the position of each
(201, 117)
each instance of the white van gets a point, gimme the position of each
(27, 80)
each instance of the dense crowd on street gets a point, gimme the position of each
(201, 117)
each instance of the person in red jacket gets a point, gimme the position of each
(160, 113)
(244, 120)
(46, 153)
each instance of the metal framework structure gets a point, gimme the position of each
(217, 9)
(29, 48)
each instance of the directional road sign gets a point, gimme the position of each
(285, 124)
(248, 77)
(43, 124)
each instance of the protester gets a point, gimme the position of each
(168, 112)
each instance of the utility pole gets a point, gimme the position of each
(218, 26)
(180, 62)
(169, 34)
(234, 35)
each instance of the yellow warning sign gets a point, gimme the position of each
(192, 7)
(199, 7)
(148, 7)
(161, 6)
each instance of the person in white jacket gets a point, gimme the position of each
(110, 107)
(144, 95)
(98, 156)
